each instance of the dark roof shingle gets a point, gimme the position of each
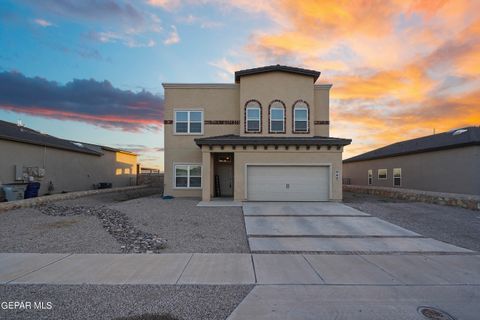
(446, 140)
(277, 67)
(13, 132)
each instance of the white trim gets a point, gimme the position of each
(188, 110)
(270, 119)
(393, 177)
(259, 118)
(307, 120)
(329, 165)
(174, 176)
(369, 176)
(378, 174)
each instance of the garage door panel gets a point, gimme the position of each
(288, 183)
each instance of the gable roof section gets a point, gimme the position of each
(13, 132)
(447, 140)
(277, 67)
(236, 140)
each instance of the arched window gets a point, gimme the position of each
(277, 117)
(253, 116)
(300, 116)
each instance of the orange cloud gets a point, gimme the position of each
(400, 68)
(406, 85)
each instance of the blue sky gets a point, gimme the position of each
(44, 39)
(92, 70)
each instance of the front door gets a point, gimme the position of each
(224, 171)
(225, 175)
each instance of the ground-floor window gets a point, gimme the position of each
(397, 177)
(382, 174)
(370, 177)
(188, 176)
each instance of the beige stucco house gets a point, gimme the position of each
(263, 138)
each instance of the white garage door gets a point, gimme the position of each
(288, 183)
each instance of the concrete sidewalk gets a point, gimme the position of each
(201, 268)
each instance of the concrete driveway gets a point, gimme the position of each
(328, 227)
(350, 249)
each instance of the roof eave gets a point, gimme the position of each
(50, 145)
(406, 153)
(340, 142)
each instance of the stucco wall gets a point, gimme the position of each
(286, 87)
(322, 110)
(291, 156)
(303, 156)
(69, 171)
(453, 170)
(226, 102)
(217, 104)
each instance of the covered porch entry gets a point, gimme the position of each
(218, 176)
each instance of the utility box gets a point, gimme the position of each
(14, 191)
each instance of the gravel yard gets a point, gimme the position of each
(449, 224)
(125, 301)
(189, 228)
(28, 230)
(123, 222)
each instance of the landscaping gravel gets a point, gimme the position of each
(185, 302)
(454, 225)
(123, 223)
(186, 227)
(116, 223)
(28, 230)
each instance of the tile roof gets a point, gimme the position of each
(447, 140)
(233, 139)
(277, 67)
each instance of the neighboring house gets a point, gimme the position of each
(264, 137)
(444, 162)
(65, 165)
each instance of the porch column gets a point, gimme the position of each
(207, 171)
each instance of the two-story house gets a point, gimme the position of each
(263, 138)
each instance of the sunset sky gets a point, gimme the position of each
(92, 70)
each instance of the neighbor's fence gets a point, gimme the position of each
(150, 177)
(448, 199)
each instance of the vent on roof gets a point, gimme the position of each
(459, 131)
(78, 144)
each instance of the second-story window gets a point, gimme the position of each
(188, 122)
(277, 117)
(300, 117)
(253, 117)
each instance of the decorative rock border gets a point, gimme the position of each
(116, 223)
(32, 202)
(448, 199)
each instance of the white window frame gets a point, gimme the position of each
(283, 120)
(295, 108)
(259, 118)
(370, 177)
(386, 174)
(400, 177)
(188, 122)
(188, 165)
